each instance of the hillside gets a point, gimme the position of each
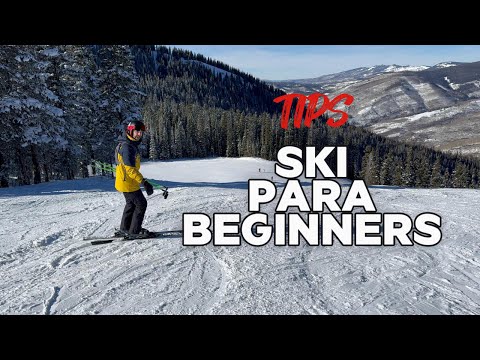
(185, 77)
(48, 269)
(436, 107)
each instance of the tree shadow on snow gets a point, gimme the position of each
(61, 187)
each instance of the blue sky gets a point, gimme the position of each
(280, 62)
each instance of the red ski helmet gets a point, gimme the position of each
(134, 125)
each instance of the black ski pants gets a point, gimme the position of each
(134, 212)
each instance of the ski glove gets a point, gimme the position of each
(148, 187)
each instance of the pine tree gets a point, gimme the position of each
(266, 137)
(447, 179)
(7, 118)
(422, 170)
(398, 173)
(179, 141)
(231, 150)
(386, 171)
(460, 176)
(475, 178)
(153, 151)
(408, 173)
(40, 123)
(119, 97)
(80, 97)
(436, 178)
(370, 172)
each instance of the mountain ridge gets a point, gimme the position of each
(435, 106)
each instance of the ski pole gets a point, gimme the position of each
(159, 187)
(109, 168)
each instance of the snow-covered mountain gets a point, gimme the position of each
(47, 269)
(436, 106)
(331, 82)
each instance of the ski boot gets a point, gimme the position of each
(143, 234)
(120, 233)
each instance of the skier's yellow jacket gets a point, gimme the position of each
(127, 176)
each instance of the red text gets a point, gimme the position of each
(311, 114)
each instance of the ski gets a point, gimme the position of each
(117, 235)
(152, 235)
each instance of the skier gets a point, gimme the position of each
(128, 179)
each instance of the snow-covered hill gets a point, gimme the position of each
(47, 269)
(332, 82)
(435, 106)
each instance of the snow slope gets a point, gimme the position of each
(47, 269)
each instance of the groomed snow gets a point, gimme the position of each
(47, 269)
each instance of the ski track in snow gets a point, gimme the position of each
(47, 268)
